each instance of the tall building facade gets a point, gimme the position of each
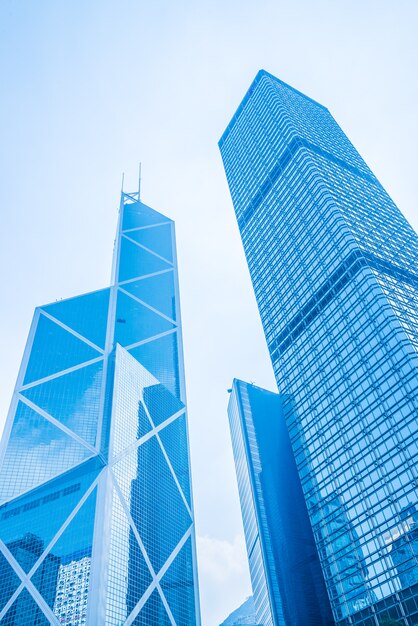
(96, 512)
(333, 265)
(286, 577)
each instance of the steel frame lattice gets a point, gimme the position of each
(98, 421)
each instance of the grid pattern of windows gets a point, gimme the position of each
(333, 265)
(72, 589)
(284, 564)
(96, 520)
(245, 455)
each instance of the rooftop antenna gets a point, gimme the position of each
(139, 181)
(123, 178)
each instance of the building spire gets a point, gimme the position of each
(139, 181)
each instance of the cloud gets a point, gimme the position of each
(223, 576)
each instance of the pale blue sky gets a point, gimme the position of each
(90, 87)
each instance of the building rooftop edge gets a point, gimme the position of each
(260, 74)
(237, 381)
(134, 199)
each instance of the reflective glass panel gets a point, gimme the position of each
(157, 239)
(129, 576)
(157, 291)
(86, 314)
(73, 399)
(24, 612)
(178, 588)
(153, 612)
(64, 583)
(10, 581)
(175, 442)
(160, 403)
(129, 418)
(154, 500)
(37, 451)
(136, 262)
(160, 357)
(135, 322)
(54, 349)
(29, 523)
(137, 214)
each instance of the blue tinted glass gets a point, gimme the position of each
(63, 577)
(160, 403)
(129, 419)
(129, 576)
(135, 322)
(28, 523)
(178, 588)
(37, 451)
(150, 491)
(86, 314)
(153, 612)
(84, 392)
(160, 357)
(24, 612)
(10, 581)
(158, 239)
(73, 399)
(144, 425)
(333, 265)
(157, 291)
(136, 262)
(54, 349)
(174, 440)
(137, 214)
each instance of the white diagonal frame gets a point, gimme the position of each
(25, 577)
(155, 583)
(71, 331)
(147, 249)
(139, 442)
(69, 370)
(149, 339)
(27, 491)
(144, 277)
(168, 461)
(159, 576)
(57, 423)
(148, 306)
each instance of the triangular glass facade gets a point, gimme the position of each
(158, 240)
(73, 399)
(94, 480)
(86, 315)
(55, 349)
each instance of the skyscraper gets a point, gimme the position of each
(286, 577)
(333, 265)
(96, 513)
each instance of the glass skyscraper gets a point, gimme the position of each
(286, 577)
(333, 265)
(96, 513)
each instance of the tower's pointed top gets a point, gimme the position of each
(139, 181)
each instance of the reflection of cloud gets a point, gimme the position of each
(224, 579)
(83, 420)
(37, 451)
(26, 466)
